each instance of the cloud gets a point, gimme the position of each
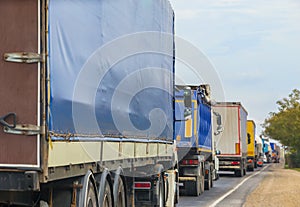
(255, 46)
(187, 14)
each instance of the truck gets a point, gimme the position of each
(267, 150)
(231, 145)
(194, 140)
(259, 151)
(275, 152)
(251, 150)
(87, 110)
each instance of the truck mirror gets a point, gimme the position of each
(187, 113)
(249, 138)
(219, 123)
(219, 120)
(187, 93)
(219, 129)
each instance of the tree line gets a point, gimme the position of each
(284, 126)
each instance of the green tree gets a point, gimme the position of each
(284, 125)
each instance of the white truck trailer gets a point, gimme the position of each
(231, 141)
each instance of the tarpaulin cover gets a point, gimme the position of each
(204, 124)
(201, 122)
(111, 66)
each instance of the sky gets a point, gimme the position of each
(254, 47)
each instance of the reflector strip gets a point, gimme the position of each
(142, 185)
(190, 162)
(235, 163)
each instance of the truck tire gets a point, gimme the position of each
(105, 196)
(202, 184)
(207, 182)
(193, 188)
(119, 194)
(239, 173)
(212, 180)
(91, 200)
(87, 195)
(245, 172)
(106, 199)
(160, 189)
(176, 195)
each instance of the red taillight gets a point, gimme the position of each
(235, 163)
(190, 162)
(250, 161)
(142, 185)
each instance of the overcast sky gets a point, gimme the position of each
(253, 45)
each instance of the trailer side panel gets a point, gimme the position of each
(19, 82)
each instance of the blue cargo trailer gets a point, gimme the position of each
(92, 115)
(194, 140)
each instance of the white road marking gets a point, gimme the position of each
(236, 187)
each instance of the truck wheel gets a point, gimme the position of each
(105, 196)
(211, 180)
(87, 195)
(119, 194)
(239, 173)
(119, 189)
(217, 176)
(176, 195)
(202, 185)
(91, 200)
(207, 183)
(160, 191)
(245, 171)
(193, 188)
(106, 199)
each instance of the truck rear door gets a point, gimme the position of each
(19, 82)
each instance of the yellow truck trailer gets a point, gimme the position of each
(251, 155)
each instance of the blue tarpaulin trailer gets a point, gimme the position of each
(93, 113)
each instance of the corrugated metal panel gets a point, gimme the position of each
(18, 81)
(104, 84)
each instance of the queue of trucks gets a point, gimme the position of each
(90, 114)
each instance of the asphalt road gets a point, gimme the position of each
(228, 191)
